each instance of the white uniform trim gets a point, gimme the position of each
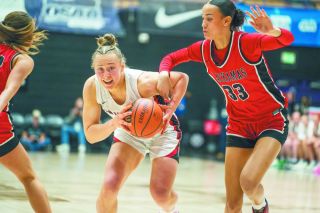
(240, 136)
(7, 140)
(229, 51)
(207, 69)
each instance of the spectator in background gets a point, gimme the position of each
(73, 126)
(316, 170)
(303, 106)
(291, 152)
(313, 135)
(291, 97)
(34, 137)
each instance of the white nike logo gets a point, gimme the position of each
(163, 20)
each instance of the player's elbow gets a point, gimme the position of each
(185, 78)
(90, 137)
(290, 39)
(91, 140)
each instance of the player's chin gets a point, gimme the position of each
(206, 37)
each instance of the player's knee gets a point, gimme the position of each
(160, 192)
(248, 184)
(27, 178)
(111, 185)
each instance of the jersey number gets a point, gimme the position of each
(236, 88)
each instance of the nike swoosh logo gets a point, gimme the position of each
(162, 20)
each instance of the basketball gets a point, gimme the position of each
(146, 118)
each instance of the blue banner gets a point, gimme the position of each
(94, 17)
(184, 18)
(304, 23)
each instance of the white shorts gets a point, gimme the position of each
(159, 145)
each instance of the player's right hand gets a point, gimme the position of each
(123, 119)
(164, 85)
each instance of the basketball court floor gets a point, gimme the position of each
(73, 182)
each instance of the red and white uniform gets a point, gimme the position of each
(7, 55)
(241, 72)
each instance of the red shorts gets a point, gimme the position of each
(7, 140)
(246, 134)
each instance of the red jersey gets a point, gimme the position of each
(7, 55)
(241, 72)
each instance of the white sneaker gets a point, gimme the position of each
(82, 148)
(300, 166)
(63, 148)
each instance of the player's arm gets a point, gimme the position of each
(93, 129)
(147, 86)
(190, 53)
(269, 37)
(22, 67)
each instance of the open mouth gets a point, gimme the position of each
(108, 82)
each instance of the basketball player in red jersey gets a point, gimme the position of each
(257, 115)
(18, 40)
(113, 89)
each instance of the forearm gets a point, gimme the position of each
(6, 96)
(253, 44)
(191, 53)
(173, 59)
(98, 132)
(276, 38)
(179, 91)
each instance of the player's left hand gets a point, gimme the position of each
(260, 20)
(168, 112)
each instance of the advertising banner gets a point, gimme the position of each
(94, 17)
(184, 18)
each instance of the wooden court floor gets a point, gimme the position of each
(73, 183)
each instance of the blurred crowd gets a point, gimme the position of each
(302, 148)
(52, 132)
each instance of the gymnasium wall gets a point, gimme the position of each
(64, 64)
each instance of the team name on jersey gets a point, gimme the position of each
(232, 75)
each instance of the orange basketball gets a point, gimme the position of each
(146, 118)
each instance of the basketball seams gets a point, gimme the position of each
(152, 111)
(149, 115)
(134, 118)
(156, 129)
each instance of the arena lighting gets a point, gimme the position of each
(288, 57)
(197, 140)
(143, 38)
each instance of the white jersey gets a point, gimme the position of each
(166, 144)
(105, 99)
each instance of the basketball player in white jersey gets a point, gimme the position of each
(113, 88)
